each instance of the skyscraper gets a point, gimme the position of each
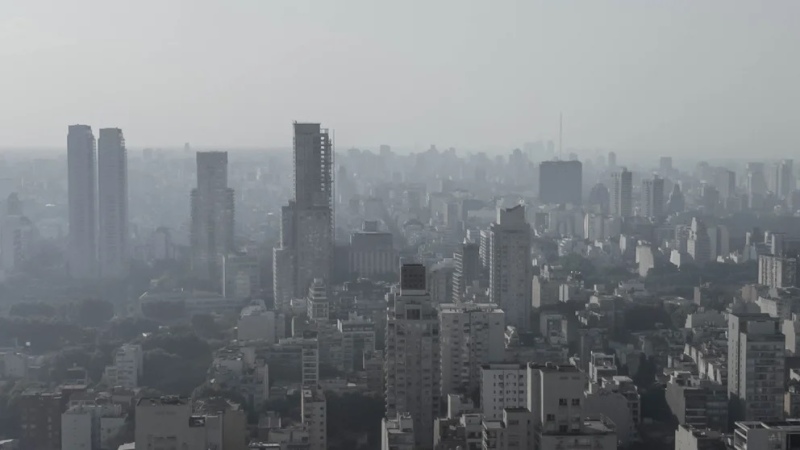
(612, 160)
(467, 269)
(665, 165)
(784, 178)
(112, 174)
(653, 196)
(561, 182)
(212, 217)
(676, 202)
(510, 266)
(622, 193)
(413, 362)
(306, 251)
(472, 334)
(699, 245)
(81, 181)
(755, 367)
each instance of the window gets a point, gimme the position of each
(576, 402)
(551, 417)
(562, 402)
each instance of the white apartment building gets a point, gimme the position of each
(317, 301)
(397, 433)
(503, 386)
(756, 363)
(358, 337)
(413, 360)
(510, 267)
(772, 435)
(777, 271)
(128, 367)
(471, 335)
(601, 365)
(555, 398)
(77, 429)
(90, 426)
(690, 438)
(256, 324)
(314, 415)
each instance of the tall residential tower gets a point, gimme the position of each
(82, 179)
(212, 216)
(622, 194)
(412, 368)
(510, 267)
(112, 174)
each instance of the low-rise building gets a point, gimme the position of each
(397, 433)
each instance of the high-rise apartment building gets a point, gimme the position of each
(622, 193)
(467, 262)
(784, 178)
(699, 245)
(503, 385)
(471, 335)
(412, 367)
(561, 182)
(212, 217)
(756, 361)
(82, 193)
(306, 250)
(510, 266)
(112, 192)
(778, 271)
(653, 197)
(358, 339)
(314, 414)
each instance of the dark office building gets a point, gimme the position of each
(560, 182)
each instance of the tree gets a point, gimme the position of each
(128, 329)
(175, 363)
(94, 312)
(37, 309)
(351, 415)
(162, 310)
(205, 326)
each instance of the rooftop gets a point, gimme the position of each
(167, 400)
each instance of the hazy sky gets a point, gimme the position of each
(682, 76)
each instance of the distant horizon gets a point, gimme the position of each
(716, 77)
(584, 155)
